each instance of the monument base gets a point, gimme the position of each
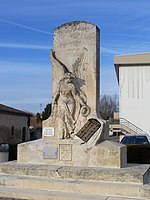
(72, 152)
(45, 182)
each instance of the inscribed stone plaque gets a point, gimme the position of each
(48, 131)
(50, 152)
(65, 152)
(89, 129)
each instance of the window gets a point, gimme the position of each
(12, 132)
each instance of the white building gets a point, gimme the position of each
(133, 73)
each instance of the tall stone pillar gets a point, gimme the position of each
(76, 79)
(77, 46)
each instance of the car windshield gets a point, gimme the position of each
(135, 140)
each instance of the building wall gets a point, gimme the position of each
(134, 89)
(11, 128)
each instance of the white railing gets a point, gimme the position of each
(131, 126)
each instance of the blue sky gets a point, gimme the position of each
(26, 35)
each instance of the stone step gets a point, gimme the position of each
(72, 186)
(21, 193)
(138, 174)
(145, 191)
(31, 194)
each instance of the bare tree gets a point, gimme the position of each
(108, 105)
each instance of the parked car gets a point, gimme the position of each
(135, 139)
(138, 148)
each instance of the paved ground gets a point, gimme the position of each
(100, 198)
(4, 198)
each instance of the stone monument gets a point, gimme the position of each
(74, 159)
(74, 132)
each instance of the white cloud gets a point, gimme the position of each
(26, 101)
(24, 46)
(24, 26)
(16, 68)
(108, 51)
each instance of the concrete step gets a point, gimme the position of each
(44, 195)
(131, 181)
(73, 186)
(145, 191)
(138, 174)
(31, 194)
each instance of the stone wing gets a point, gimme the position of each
(57, 63)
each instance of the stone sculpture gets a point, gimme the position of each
(67, 102)
(75, 101)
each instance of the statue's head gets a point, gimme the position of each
(68, 77)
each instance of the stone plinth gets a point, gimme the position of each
(72, 153)
(110, 154)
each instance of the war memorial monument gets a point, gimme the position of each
(75, 154)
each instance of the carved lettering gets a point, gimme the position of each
(88, 130)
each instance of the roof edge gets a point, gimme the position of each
(131, 60)
(8, 109)
(140, 58)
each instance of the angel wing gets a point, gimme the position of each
(59, 70)
(57, 63)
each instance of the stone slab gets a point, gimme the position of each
(76, 187)
(54, 195)
(145, 191)
(11, 192)
(138, 174)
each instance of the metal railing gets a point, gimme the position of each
(131, 126)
